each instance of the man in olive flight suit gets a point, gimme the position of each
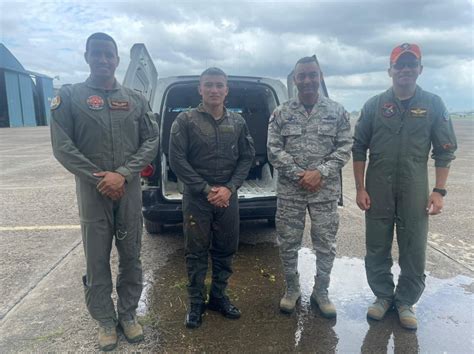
(309, 141)
(399, 127)
(105, 135)
(211, 152)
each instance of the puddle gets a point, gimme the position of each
(445, 311)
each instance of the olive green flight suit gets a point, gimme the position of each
(95, 130)
(399, 141)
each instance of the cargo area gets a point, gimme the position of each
(254, 102)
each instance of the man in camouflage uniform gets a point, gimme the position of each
(308, 143)
(398, 127)
(105, 135)
(211, 152)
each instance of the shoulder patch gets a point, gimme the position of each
(55, 102)
(446, 115)
(346, 116)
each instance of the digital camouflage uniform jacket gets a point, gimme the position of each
(318, 141)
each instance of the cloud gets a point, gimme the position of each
(352, 39)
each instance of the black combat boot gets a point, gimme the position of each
(194, 315)
(224, 306)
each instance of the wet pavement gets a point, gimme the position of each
(41, 263)
(262, 328)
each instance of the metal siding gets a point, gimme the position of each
(27, 101)
(13, 99)
(46, 94)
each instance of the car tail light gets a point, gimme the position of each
(147, 171)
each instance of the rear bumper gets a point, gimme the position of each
(159, 210)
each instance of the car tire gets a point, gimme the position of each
(153, 228)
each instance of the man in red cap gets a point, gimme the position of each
(399, 127)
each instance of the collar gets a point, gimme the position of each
(90, 84)
(200, 108)
(418, 92)
(296, 103)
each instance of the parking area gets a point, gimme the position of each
(41, 264)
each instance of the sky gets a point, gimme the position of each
(352, 40)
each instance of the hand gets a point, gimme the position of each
(117, 195)
(310, 180)
(363, 199)
(111, 184)
(219, 196)
(435, 204)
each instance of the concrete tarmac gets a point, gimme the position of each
(41, 263)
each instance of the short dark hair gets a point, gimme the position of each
(101, 36)
(304, 60)
(213, 71)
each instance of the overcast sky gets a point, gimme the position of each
(352, 39)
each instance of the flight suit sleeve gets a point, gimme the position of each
(149, 141)
(278, 157)
(336, 160)
(62, 139)
(363, 133)
(246, 156)
(178, 158)
(443, 138)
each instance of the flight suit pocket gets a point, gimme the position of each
(203, 132)
(90, 203)
(151, 126)
(228, 140)
(128, 234)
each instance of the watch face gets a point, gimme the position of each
(443, 192)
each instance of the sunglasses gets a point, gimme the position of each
(399, 65)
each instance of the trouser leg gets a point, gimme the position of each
(96, 214)
(412, 241)
(324, 226)
(128, 237)
(197, 218)
(290, 218)
(224, 244)
(97, 241)
(378, 259)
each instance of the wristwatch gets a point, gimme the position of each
(443, 192)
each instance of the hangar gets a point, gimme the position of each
(25, 96)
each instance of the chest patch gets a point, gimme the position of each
(120, 105)
(55, 102)
(418, 112)
(227, 128)
(291, 119)
(388, 110)
(95, 103)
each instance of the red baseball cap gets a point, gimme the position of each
(405, 48)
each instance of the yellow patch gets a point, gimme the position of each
(418, 112)
(55, 102)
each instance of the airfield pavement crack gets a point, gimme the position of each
(4, 316)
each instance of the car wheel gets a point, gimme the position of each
(153, 227)
(271, 222)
